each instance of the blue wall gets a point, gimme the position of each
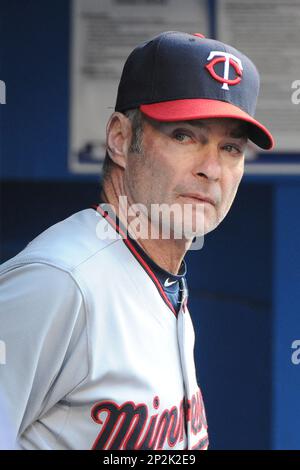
(286, 317)
(244, 293)
(230, 283)
(35, 68)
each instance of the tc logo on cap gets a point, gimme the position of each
(216, 57)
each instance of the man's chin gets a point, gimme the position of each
(210, 227)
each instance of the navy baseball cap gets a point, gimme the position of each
(178, 76)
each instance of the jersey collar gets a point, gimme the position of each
(162, 279)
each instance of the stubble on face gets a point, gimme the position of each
(163, 171)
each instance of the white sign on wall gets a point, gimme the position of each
(103, 34)
(269, 33)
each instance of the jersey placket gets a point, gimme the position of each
(196, 428)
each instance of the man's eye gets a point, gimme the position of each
(181, 136)
(234, 150)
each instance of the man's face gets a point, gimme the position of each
(186, 162)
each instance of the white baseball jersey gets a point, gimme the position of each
(96, 356)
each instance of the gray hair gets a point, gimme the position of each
(136, 118)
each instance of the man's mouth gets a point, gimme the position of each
(197, 197)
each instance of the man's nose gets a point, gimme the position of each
(209, 162)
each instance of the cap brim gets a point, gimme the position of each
(189, 109)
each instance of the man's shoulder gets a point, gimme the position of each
(69, 243)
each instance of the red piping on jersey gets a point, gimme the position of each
(201, 443)
(137, 256)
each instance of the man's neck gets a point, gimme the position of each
(166, 253)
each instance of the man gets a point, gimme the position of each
(94, 310)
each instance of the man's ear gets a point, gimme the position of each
(118, 138)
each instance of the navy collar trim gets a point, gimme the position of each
(145, 261)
